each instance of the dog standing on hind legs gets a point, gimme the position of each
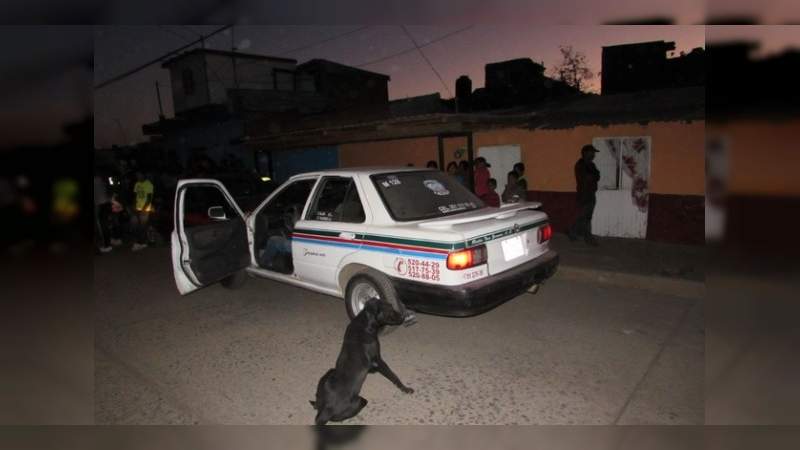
(338, 390)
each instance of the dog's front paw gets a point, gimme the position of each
(407, 390)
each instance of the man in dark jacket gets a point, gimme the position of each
(586, 178)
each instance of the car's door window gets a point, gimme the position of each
(197, 202)
(275, 224)
(337, 200)
(293, 196)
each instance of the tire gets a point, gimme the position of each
(380, 284)
(235, 281)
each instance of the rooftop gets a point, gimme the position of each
(238, 55)
(318, 63)
(663, 105)
(665, 44)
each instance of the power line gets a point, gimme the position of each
(436, 72)
(412, 49)
(332, 38)
(159, 59)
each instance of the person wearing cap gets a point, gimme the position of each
(586, 178)
(482, 176)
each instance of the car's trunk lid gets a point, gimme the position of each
(509, 233)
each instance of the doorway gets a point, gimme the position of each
(502, 159)
(622, 192)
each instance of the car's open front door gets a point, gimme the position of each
(209, 240)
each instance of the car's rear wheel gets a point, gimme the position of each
(371, 284)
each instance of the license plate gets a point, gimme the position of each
(512, 248)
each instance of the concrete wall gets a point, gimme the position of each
(677, 164)
(763, 156)
(677, 168)
(399, 152)
(763, 190)
(215, 140)
(250, 74)
(199, 97)
(218, 73)
(286, 163)
(677, 172)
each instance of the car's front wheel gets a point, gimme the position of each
(370, 284)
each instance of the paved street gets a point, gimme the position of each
(575, 353)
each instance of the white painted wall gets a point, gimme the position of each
(502, 158)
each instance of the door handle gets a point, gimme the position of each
(347, 235)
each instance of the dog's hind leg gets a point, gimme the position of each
(352, 409)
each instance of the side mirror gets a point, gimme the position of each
(217, 213)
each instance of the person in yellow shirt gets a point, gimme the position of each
(143, 205)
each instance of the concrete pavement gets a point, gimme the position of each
(664, 268)
(575, 353)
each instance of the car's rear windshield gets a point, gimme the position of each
(423, 195)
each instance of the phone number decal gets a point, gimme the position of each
(418, 268)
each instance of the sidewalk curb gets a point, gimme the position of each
(663, 285)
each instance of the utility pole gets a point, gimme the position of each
(122, 130)
(160, 108)
(233, 56)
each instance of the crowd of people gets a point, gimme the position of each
(134, 206)
(483, 185)
(123, 210)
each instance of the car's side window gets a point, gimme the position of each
(198, 202)
(293, 197)
(337, 200)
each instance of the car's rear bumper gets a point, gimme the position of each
(478, 296)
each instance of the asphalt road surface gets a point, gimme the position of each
(575, 353)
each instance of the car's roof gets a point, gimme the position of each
(365, 170)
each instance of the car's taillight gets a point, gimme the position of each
(465, 259)
(545, 233)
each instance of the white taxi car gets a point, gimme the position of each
(415, 238)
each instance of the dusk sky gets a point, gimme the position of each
(121, 108)
(45, 81)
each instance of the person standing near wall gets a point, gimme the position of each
(143, 191)
(482, 176)
(519, 168)
(463, 173)
(491, 198)
(102, 211)
(586, 178)
(513, 192)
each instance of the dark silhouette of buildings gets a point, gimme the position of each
(517, 82)
(645, 66)
(741, 84)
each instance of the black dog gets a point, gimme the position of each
(337, 391)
